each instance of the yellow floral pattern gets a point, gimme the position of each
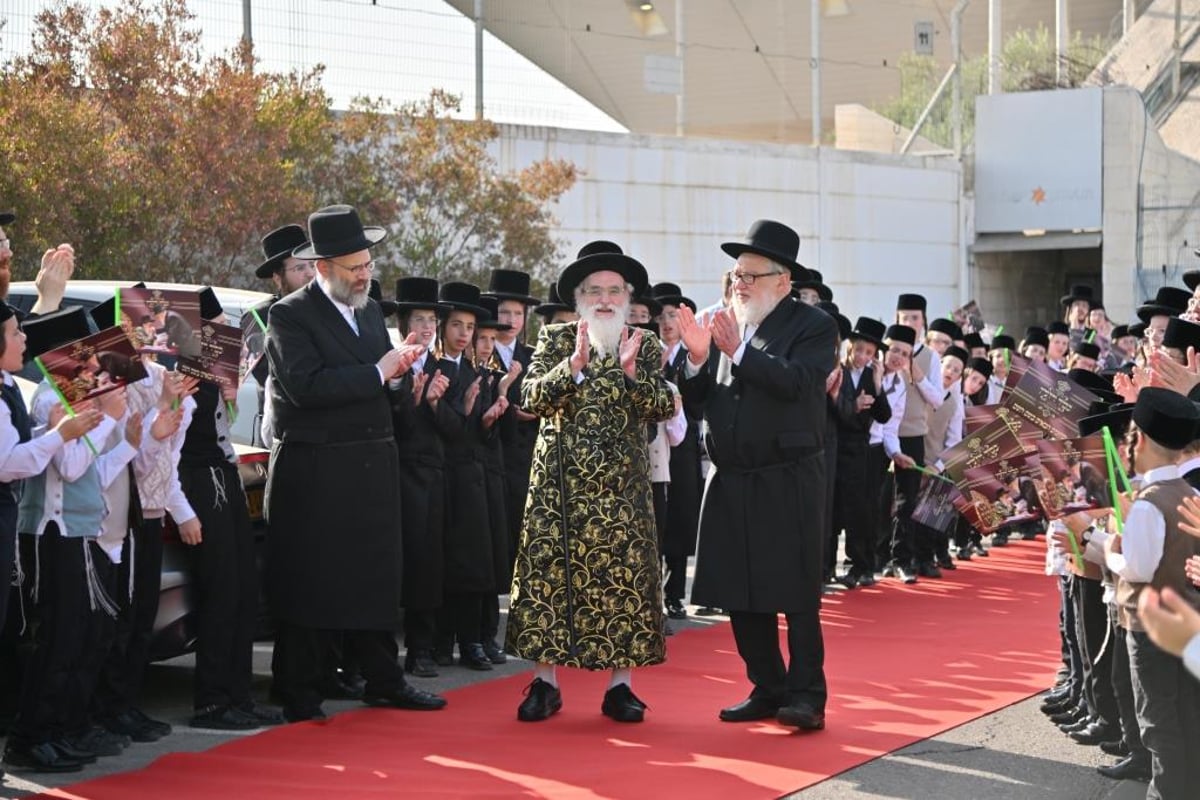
(616, 611)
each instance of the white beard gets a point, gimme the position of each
(342, 290)
(605, 334)
(754, 311)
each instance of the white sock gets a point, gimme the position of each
(547, 673)
(621, 675)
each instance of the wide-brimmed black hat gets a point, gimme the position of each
(869, 330)
(55, 329)
(912, 302)
(1191, 278)
(8, 217)
(669, 294)
(901, 333)
(1092, 381)
(1181, 334)
(277, 246)
(973, 340)
(1120, 332)
(773, 240)
(492, 321)
(415, 292)
(1035, 334)
(1167, 417)
(946, 326)
(510, 284)
(1078, 291)
(601, 256)
(1116, 418)
(815, 282)
(1002, 341)
(553, 305)
(1138, 329)
(1170, 301)
(104, 313)
(335, 231)
(210, 306)
(458, 296)
(375, 292)
(980, 365)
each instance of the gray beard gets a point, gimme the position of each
(605, 334)
(754, 312)
(343, 291)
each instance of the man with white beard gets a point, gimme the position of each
(589, 519)
(758, 370)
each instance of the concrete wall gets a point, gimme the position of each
(874, 224)
(1150, 244)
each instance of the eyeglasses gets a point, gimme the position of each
(365, 268)
(749, 278)
(303, 266)
(612, 292)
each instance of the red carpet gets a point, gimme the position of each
(903, 663)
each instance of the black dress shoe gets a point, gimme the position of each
(1074, 727)
(127, 724)
(904, 573)
(867, 579)
(675, 609)
(1071, 715)
(420, 663)
(708, 611)
(70, 750)
(622, 705)
(443, 656)
(222, 718)
(263, 715)
(927, 569)
(802, 716)
(1093, 734)
(964, 554)
(979, 550)
(999, 540)
(303, 714)
(407, 697)
(752, 708)
(493, 652)
(342, 685)
(471, 655)
(542, 700)
(1127, 769)
(1116, 748)
(44, 757)
(849, 580)
(1059, 706)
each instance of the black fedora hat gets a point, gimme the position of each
(669, 294)
(335, 231)
(55, 329)
(553, 305)
(104, 313)
(1116, 419)
(210, 306)
(773, 240)
(277, 246)
(1181, 334)
(1078, 291)
(416, 292)
(510, 284)
(1170, 301)
(601, 256)
(1191, 278)
(869, 330)
(8, 217)
(492, 322)
(458, 296)
(815, 282)
(375, 292)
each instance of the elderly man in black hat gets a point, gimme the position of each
(758, 370)
(589, 519)
(335, 545)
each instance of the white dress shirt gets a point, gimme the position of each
(347, 314)
(888, 433)
(1191, 656)
(1144, 535)
(25, 460)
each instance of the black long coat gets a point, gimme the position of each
(763, 518)
(852, 479)
(683, 495)
(517, 439)
(419, 430)
(492, 455)
(334, 545)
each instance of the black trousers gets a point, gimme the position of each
(802, 679)
(8, 554)
(489, 618)
(863, 530)
(1168, 712)
(459, 618)
(303, 663)
(225, 586)
(121, 677)
(419, 627)
(1070, 633)
(1122, 684)
(59, 638)
(911, 541)
(1091, 613)
(829, 554)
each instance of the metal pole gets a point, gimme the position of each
(1177, 51)
(815, 68)
(680, 106)
(1128, 16)
(478, 59)
(246, 27)
(1062, 37)
(956, 109)
(937, 93)
(995, 47)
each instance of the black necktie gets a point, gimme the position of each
(16, 406)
